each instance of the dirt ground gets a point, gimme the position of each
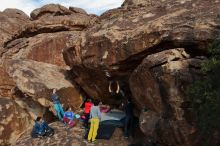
(70, 137)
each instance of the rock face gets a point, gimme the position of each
(12, 25)
(33, 78)
(51, 9)
(6, 83)
(124, 37)
(13, 120)
(77, 10)
(153, 48)
(31, 60)
(165, 76)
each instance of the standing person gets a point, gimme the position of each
(128, 108)
(58, 107)
(95, 116)
(87, 109)
(69, 117)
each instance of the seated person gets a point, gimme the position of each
(69, 117)
(104, 108)
(41, 129)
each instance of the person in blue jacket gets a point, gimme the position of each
(69, 117)
(41, 129)
(57, 105)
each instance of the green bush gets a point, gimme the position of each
(205, 95)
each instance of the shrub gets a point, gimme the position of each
(205, 95)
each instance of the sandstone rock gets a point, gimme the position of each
(151, 98)
(75, 21)
(26, 42)
(37, 80)
(50, 10)
(15, 13)
(133, 3)
(77, 10)
(131, 43)
(11, 20)
(6, 83)
(141, 29)
(53, 18)
(120, 42)
(46, 47)
(29, 72)
(166, 75)
(133, 34)
(14, 120)
(148, 124)
(176, 133)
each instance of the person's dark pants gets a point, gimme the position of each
(48, 132)
(128, 126)
(86, 121)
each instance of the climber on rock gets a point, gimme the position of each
(41, 129)
(115, 90)
(69, 117)
(57, 106)
(95, 117)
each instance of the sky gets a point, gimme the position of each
(91, 6)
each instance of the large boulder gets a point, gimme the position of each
(50, 10)
(124, 37)
(164, 77)
(129, 44)
(149, 74)
(77, 10)
(136, 33)
(75, 21)
(37, 79)
(132, 44)
(11, 20)
(54, 18)
(13, 33)
(13, 122)
(46, 47)
(31, 60)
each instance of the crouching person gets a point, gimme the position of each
(69, 117)
(95, 116)
(41, 129)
